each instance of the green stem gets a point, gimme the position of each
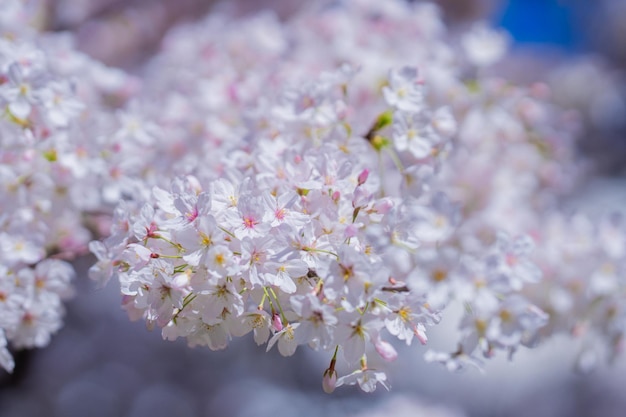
(282, 313)
(176, 245)
(189, 298)
(396, 160)
(269, 299)
(229, 233)
(170, 256)
(333, 361)
(181, 268)
(307, 249)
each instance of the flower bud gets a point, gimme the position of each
(329, 381)
(363, 176)
(277, 323)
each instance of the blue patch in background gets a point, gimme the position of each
(545, 22)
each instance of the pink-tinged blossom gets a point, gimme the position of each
(12, 298)
(162, 294)
(220, 261)
(60, 104)
(453, 362)
(186, 208)
(254, 256)
(215, 337)
(281, 209)
(413, 133)
(225, 195)
(54, 276)
(20, 92)
(218, 301)
(416, 179)
(198, 239)
(405, 91)
(258, 322)
(355, 277)
(103, 269)
(367, 379)
(515, 323)
(137, 256)
(308, 103)
(247, 219)
(484, 46)
(444, 122)
(407, 319)
(286, 340)
(509, 267)
(134, 128)
(39, 319)
(145, 226)
(16, 249)
(282, 274)
(435, 222)
(355, 335)
(317, 321)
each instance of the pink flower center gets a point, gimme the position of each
(151, 231)
(280, 213)
(193, 215)
(249, 222)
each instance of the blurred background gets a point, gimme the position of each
(577, 46)
(100, 364)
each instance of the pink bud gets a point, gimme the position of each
(277, 323)
(385, 350)
(329, 381)
(363, 176)
(336, 196)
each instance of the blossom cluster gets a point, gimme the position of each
(48, 173)
(290, 241)
(335, 180)
(320, 213)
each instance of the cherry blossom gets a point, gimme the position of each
(336, 180)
